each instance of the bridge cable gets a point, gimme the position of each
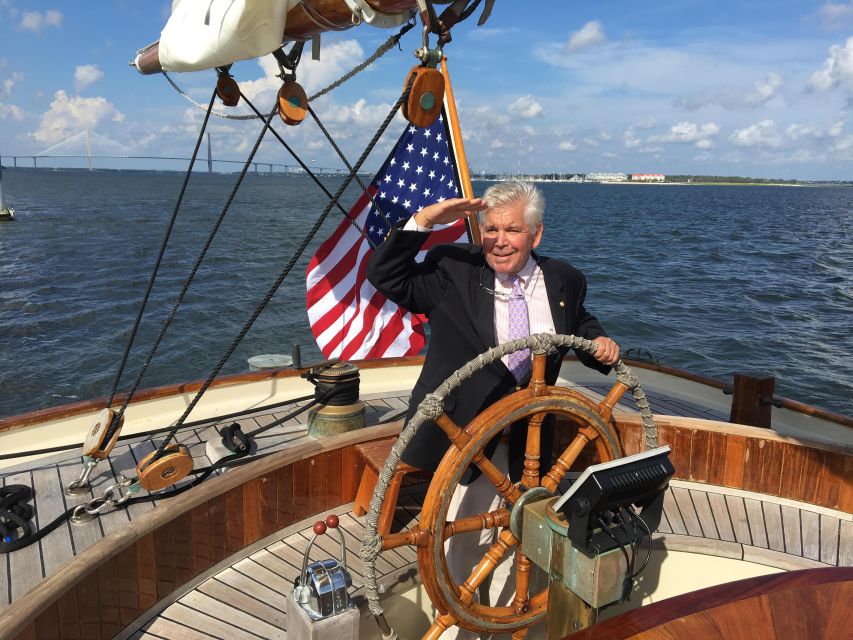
(162, 251)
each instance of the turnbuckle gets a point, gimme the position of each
(114, 496)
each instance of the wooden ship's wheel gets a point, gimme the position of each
(592, 436)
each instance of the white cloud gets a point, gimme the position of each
(764, 90)
(837, 70)
(801, 131)
(9, 83)
(68, 116)
(497, 144)
(11, 111)
(690, 132)
(631, 140)
(835, 15)
(37, 22)
(86, 74)
(589, 35)
(567, 145)
(760, 134)
(361, 113)
(336, 59)
(526, 107)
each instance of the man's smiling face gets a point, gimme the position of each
(507, 240)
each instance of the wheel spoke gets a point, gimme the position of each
(415, 537)
(506, 540)
(533, 448)
(477, 522)
(501, 480)
(605, 407)
(521, 602)
(537, 378)
(567, 459)
(442, 623)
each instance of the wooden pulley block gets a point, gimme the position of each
(292, 103)
(426, 96)
(228, 90)
(97, 445)
(172, 467)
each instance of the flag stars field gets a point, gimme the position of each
(349, 318)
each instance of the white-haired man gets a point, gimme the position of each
(471, 296)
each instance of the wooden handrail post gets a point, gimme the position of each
(752, 399)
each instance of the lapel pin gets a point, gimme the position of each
(562, 303)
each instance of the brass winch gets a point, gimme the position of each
(339, 409)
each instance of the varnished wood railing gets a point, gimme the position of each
(107, 586)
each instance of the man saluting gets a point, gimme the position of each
(476, 298)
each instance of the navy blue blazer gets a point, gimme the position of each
(452, 287)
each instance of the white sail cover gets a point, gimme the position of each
(202, 34)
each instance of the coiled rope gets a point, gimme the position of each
(432, 407)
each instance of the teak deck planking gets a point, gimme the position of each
(159, 562)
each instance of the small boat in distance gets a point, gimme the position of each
(6, 212)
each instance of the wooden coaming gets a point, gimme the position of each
(122, 576)
(748, 458)
(113, 581)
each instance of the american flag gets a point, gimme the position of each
(350, 319)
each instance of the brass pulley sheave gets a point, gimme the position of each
(173, 466)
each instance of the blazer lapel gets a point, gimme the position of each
(554, 285)
(483, 304)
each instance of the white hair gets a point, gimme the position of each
(502, 194)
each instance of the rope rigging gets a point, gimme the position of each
(162, 252)
(285, 271)
(232, 436)
(115, 423)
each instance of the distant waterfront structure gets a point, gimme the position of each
(607, 176)
(647, 177)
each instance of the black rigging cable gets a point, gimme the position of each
(317, 181)
(192, 274)
(311, 233)
(168, 233)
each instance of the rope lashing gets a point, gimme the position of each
(432, 407)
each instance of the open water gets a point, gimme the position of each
(712, 279)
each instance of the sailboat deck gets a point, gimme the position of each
(22, 570)
(245, 598)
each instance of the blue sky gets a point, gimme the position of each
(761, 88)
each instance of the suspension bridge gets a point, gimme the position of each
(93, 146)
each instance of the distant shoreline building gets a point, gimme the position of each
(607, 176)
(647, 177)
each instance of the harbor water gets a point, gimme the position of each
(712, 279)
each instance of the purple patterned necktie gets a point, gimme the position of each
(519, 327)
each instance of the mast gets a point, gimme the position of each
(459, 151)
(2, 200)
